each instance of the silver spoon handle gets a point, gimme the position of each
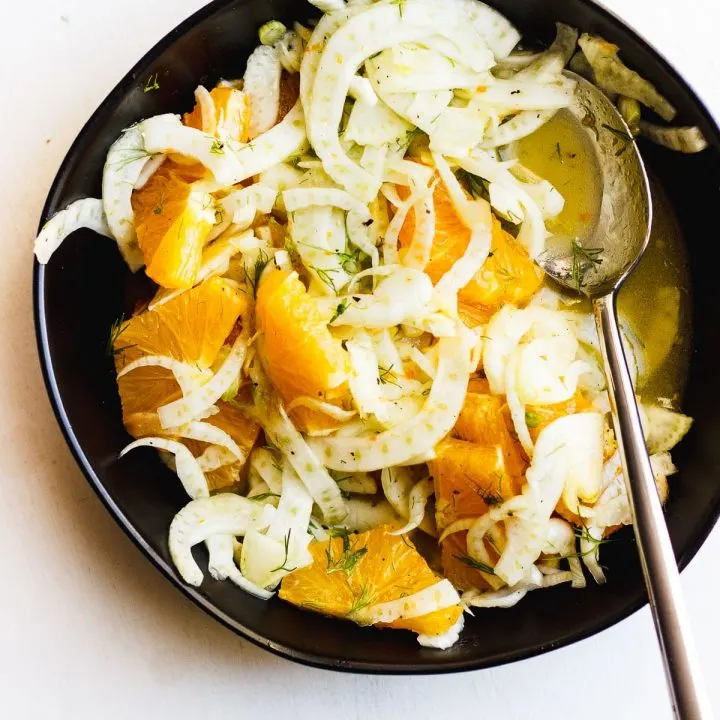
(656, 554)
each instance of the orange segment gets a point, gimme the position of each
(186, 169)
(434, 623)
(479, 385)
(468, 479)
(508, 275)
(224, 478)
(451, 235)
(172, 221)
(146, 424)
(474, 316)
(539, 417)
(191, 328)
(242, 429)
(388, 568)
(237, 424)
(300, 355)
(461, 574)
(483, 421)
(231, 119)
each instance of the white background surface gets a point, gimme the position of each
(88, 629)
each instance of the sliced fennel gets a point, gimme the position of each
(414, 436)
(262, 84)
(125, 162)
(88, 213)
(186, 466)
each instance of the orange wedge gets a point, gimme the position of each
(508, 275)
(236, 423)
(484, 421)
(381, 567)
(474, 316)
(191, 327)
(481, 420)
(539, 417)
(300, 355)
(468, 479)
(479, 385)
(231, 119)
(242, 429)
(451, 234)
(172, 221)
(458, 568)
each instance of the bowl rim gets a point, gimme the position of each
(317, 660)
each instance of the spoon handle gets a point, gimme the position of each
(656, 553)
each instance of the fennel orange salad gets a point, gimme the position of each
(378, 406)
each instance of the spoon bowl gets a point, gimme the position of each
(600, 262)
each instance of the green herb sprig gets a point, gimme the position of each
(386, 376)
(583, 261)
(404, 142)
(350, 556)
(583, 533)
(360, 602)
(325, 277)
(152, 83)
(475, 564)
(252, 276)
(339, 310)
(400, 6)
(622, 136)
(478, 187)
(284, 566)
(116, 330)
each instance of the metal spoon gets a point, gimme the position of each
(597, 268)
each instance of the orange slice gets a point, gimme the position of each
(231, 119)
(481, 421)
(172, 221)
(458, 568)
(350, 574)
(474, 316)
(539, 417)
(300, 355)
(191, 327)
(242, 429)
(479, 385)
(451, 234)
(468, 479)
(508, 275)
(484, 421)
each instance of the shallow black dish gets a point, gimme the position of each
(86, 287)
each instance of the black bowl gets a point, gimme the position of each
(86, 287)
